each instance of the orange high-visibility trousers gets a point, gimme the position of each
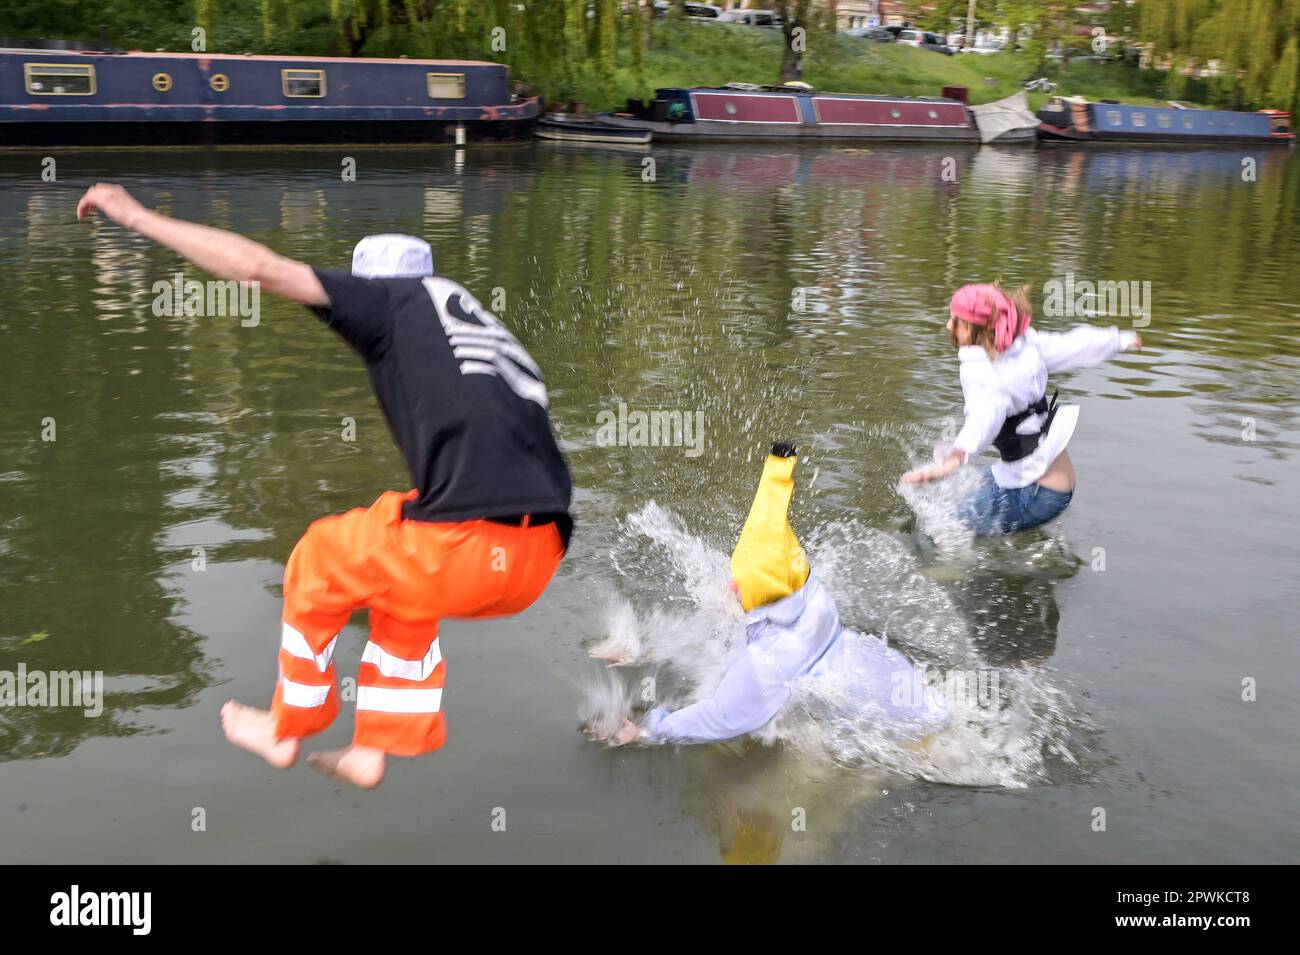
(410, 575)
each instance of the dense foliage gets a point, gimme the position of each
(587, 49)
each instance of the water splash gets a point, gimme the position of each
(1025, 731)
(936, 506)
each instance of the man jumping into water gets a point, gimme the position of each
(480, 536)
(792, 631)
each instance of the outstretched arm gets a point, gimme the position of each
(751, 692)
(985, 411)
(225, 254)
(1083, 345)
(936, 471)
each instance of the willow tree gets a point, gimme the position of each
(280, 17)
(575, 23)
(640, 23)
(605, 38)
(1286, 79)
(357, 20)
(1253, 42)
(205, 15)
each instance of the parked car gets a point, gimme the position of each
(703, 11)
(878, 34)
(1085, 55)
(694, 11)
(985, 47)
(752, 18)
(925, 41)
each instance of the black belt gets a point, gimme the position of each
(1013, 446)
(534, 520)
(562, 521)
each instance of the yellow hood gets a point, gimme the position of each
(768, 562)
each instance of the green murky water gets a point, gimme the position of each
(180, 438)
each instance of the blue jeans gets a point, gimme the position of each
(1005, 510)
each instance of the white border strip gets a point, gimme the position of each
(398, 668)
(303, 695)
(295, 644)
(382, 699)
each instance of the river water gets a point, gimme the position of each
(155, 472)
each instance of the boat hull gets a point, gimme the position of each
(591, 132)
(1076, 121)
(740, 113)
(1055, 136)
(710, 131)
(1015, 137)
(262, 133)
(71, 98)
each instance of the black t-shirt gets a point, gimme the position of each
(465, 401)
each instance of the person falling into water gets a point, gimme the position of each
(792, 630)
(1004, 368)
(480, 536)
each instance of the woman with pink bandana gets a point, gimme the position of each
(1004, 368)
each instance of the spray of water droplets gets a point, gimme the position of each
(672, 618)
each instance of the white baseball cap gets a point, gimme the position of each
(392, 256)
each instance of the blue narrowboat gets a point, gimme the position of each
(74, 98)
(1075, 120)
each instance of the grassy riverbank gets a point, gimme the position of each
(702, 54)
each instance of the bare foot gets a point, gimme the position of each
(254, 730)
(359, 765)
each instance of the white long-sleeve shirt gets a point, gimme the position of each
(799, 635)
(996, 390)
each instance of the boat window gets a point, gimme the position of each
(446, 85)
(162, 82)
(895, 113)
(219, 82)
(1162, 119)
(1114, 118)
(60, 79)
(1187, 122)
(1139, 119)
(933, 114)
(303, 82)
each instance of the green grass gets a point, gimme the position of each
(710, 54)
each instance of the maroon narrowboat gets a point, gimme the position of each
(742, 111)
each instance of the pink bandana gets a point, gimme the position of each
(989, 305)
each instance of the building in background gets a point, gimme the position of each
(895, 14)
(854, 14)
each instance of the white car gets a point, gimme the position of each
(752, 18)
(925, 40)
(985, 47)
